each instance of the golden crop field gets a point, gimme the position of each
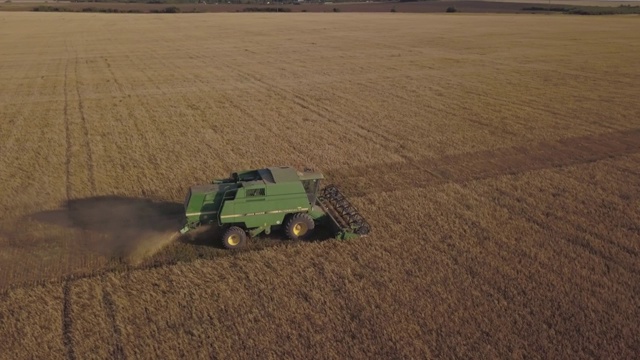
(497, 158)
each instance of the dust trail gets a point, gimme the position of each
(148, 245)
(194, 234)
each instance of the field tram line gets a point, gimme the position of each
(259, 120)
(153, 157)
(233, 102)
(322, 111)
(113, 76)
(539, 67)
(472, 89)
(410, 102)
(67, 321)
(67, 126)
(586, 248)
(475, 89)
(143, 98)
(150, 79)
(24, 103)
(85, 132)
(442, 172)
(117, 352)
(486, 279)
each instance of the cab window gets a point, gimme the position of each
(255, 192)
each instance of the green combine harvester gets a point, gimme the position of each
(255, 201)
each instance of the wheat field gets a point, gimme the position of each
(497, 158)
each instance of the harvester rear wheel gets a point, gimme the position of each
(300, 226)
(234, 238)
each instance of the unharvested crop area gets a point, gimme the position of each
(496, 156)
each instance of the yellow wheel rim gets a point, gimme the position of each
(300, 229)
(233, 240)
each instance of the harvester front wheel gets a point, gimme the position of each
(234, 238)
(300, 226)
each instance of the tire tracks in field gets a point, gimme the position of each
(67, 129)
(479, 90)
(458, 168)
(140, 128)
(377, 136)
(258, 83)
(85, 132)
(131, 116)
(231, 100)
(67, 321)
(77, 133)
(27, 94)
(469, 115)
(589, 240)
(249, 115)
(67, 314)
(475, 87)
(144, 98)
(323, 112)
(550, 230)
(113, 76)
(110, 309)
(151, 156)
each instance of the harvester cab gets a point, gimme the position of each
(251, 202)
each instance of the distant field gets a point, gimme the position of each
(572, 2)
(466, 6)
(496, 156)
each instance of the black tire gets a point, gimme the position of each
(299, 226)
(234, 238)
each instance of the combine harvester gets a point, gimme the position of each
(256, 201)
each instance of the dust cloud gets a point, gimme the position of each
(130, 229)
(148, 245)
